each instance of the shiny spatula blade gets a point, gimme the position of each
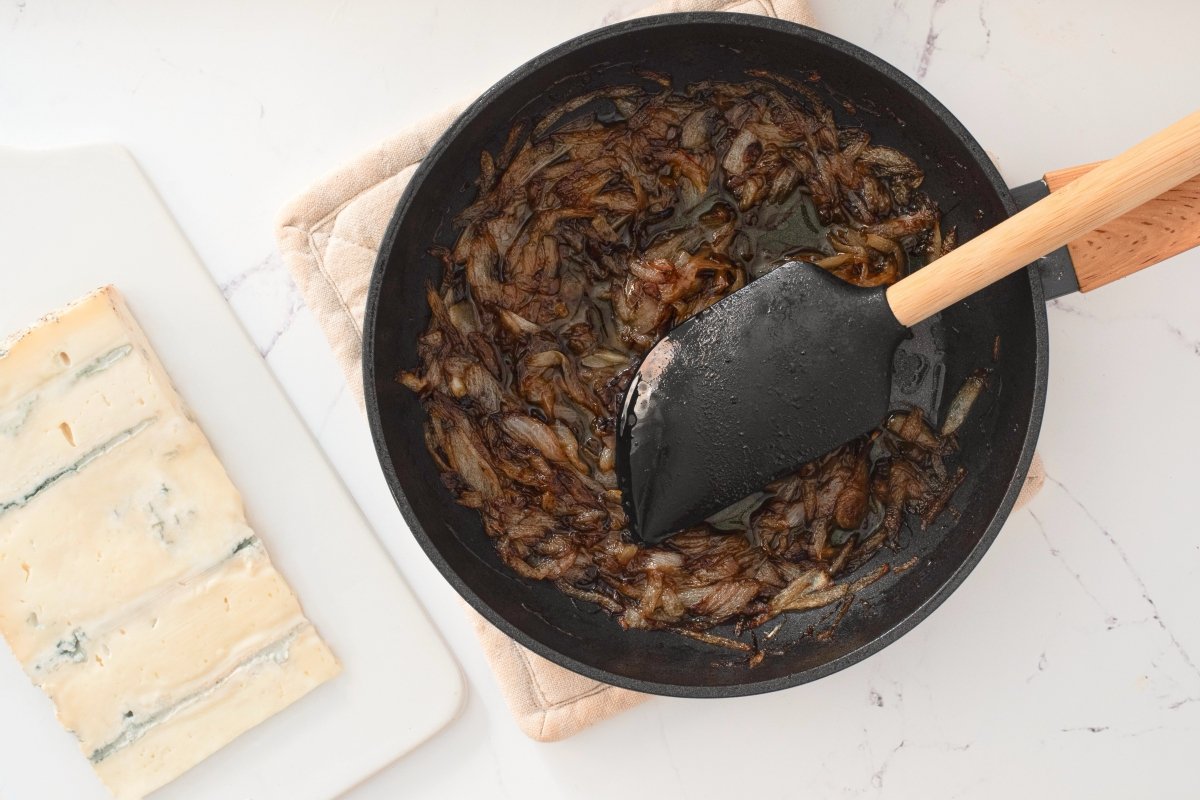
(799, 362)
(780, 372)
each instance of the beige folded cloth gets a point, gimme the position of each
(329, 237)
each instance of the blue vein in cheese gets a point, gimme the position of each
(87, 458)
(159, 526)
(103, 362)
(278, 651)
(249, 541)
(70, 650)
(12, 422)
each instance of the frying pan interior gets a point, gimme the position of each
(996, 442)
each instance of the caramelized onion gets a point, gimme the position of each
(596, 229)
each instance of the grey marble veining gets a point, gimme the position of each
(266, 299)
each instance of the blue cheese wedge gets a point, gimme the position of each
(132, 589)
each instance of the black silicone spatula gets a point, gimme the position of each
(799, 362)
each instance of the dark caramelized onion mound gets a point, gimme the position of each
(595, 230)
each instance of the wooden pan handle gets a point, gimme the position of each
(1146, 170)
(1154, 231)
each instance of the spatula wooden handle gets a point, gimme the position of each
(1142, 172)
(1161, 227)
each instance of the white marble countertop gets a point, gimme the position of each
(1066, 665)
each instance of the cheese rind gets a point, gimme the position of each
(132, 589)
(77, 383)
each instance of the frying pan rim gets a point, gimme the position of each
(427, 166)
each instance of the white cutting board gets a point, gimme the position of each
(73, 220)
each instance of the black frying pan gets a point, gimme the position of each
(997, 442)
